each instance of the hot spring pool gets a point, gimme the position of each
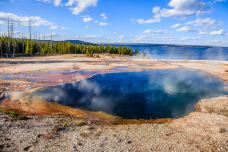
(138, 95)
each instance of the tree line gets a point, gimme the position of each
(12, 47)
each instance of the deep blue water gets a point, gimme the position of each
(178, 52)
(144, 95)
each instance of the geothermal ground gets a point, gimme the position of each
(34, 125)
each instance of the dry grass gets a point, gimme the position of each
(15, 114)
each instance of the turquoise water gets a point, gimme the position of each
(138, 95)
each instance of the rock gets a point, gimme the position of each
(129, 142)
(27, 148)
(222, 130)
(80, 123)
(85, 133)
(79, 143)
(89, 128)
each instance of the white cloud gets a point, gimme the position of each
(175, 26)
(182, 8)
(203, 26)
(206, 22)
(189, 38)
(177, 8)
(121, 38)
(78, 6)
(150, 31)
(55, 2)
(87, 19)
(104, 16)
(147, 21)
(217, 32)
(88, 38)
(25, 20)
(184, 29)
(202, 33)
(153, 36)
(56, 27)
(103, 23)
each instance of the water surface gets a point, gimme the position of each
(138, 95)
(182, 52)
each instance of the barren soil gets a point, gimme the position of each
(76, 130)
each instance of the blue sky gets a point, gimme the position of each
(200, 22)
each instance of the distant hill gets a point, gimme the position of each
(79, 42)
(71, 41)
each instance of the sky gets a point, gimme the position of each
(191, 22)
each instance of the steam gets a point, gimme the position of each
(170, 86)
(94, 95)
(58, 94)
(216, 53)
(83, 93)
(143, 55)
(88, 86)
(168, 52)
(100, 103)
